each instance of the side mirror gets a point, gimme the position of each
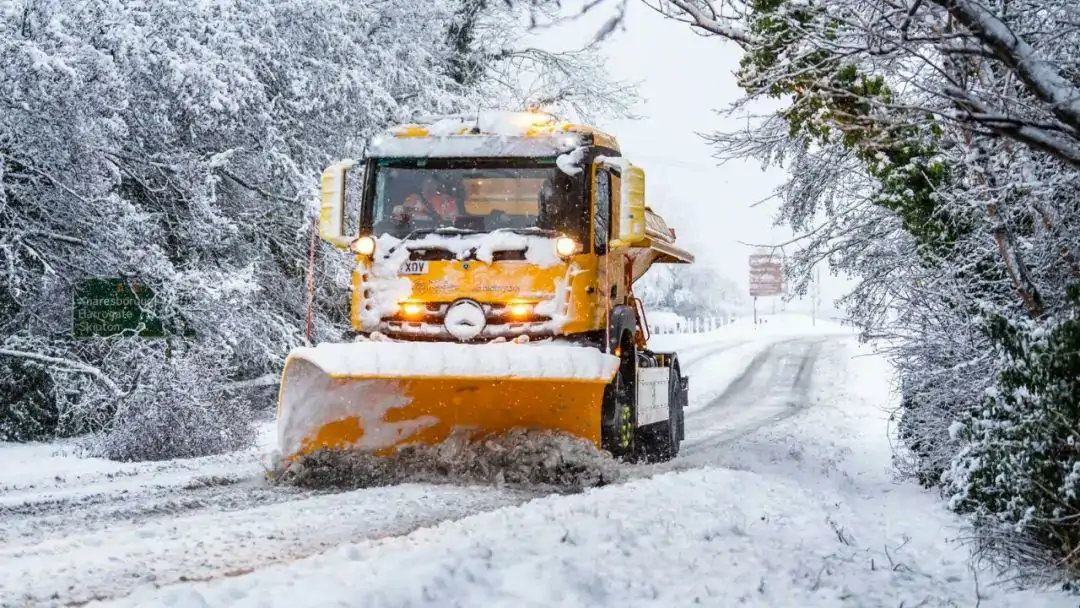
(632, 206)
(332, 209)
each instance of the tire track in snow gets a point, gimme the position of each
(32, 521)
(113, 562)
(774, 386)
(74, 529)
(100, 534)
(740, 383)
(136, 492)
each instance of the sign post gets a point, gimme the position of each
(766, 278)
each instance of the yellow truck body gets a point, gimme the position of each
(492, 289)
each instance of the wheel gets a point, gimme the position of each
(661, 440)
(619, 435)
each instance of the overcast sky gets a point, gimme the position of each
(684, 80)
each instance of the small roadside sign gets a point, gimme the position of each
(115, 306)
(766, 275)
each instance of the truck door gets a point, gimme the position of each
(610, 275)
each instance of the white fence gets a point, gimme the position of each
(661, 323)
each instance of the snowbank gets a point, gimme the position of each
(839, 444)
(56, 471)
(772, 328)
(663, 321)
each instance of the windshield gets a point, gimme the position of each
(476, 198)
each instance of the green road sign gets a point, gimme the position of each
(107, 307)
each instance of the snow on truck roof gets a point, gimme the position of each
(520, 134)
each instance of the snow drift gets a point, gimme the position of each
(520, 459)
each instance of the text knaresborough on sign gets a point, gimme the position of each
(114, 306)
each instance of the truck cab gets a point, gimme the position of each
(509, 226)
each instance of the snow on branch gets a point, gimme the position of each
(1035, 133)
(1041, 76)
(70, 365)
(703, 15)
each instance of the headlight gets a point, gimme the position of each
(520, 309)
(565, 246)
(364, 245)
(412, 309)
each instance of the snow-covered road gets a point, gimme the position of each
(97, 529)
(782, 496)
(775, 384)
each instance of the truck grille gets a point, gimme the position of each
(444, 255)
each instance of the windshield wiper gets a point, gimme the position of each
(528, 230)
(445, 230)
(405, 238)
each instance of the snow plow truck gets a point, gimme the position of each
(495, 258)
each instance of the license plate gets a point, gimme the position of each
(414, 267)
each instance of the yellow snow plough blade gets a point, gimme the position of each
(379, 396)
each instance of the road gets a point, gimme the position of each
(775, 385)
(72, 536)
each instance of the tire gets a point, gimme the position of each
(620, 437)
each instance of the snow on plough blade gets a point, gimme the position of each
(377, 396)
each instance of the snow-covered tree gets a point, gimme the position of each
(505, 73)
(692, 291)
(933, 148)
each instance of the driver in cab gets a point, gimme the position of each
(430, 200)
